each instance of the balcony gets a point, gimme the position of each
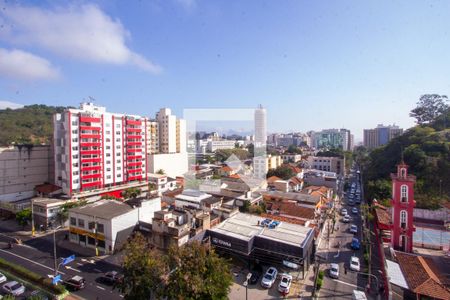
(138, 177)
(90, 136)
(129, 137)
(91, 168)
(91, 184)
(133, 122)
(132, 157)
(90, 160)
(133, 129)
(90, 144)
(134, 150)
(91, 176)
(135, 163)
(90, 152)
(134, 143)
(93, 128)
(89, 119)
(134, 170)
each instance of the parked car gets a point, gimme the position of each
(38, 295)
(346, 219)
(75, 283)
(269, 278)
(334, 271)
(354, 210)
(343, 212)
(353, 229)
(355, 245)
(354, 264)
(14, 288)
(351, 202)
(112, 277)
(285, 284)
(2, 278)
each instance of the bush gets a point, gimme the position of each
(321, 273)
(366, 257)
(32, 277)
(319, 283)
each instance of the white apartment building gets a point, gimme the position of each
(214, 145)
(162, 183)
(328, 164)
(95, 149)
(23, 167)
(260, 127)
(262, 164)
(107, 223)
(191, 198)
(172, 132)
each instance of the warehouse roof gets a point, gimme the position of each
(104, 209)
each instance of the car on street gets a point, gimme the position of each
(353, 229)
(334, 270)
(354, 264)
(354, 210)
(285, 284)
(75, 283)
(355, 245)
(346, 219)
(256, 273)
(351, 202)
(343, 212)
(2, 278)
(111, 278)
(14, 288)
(269, 278)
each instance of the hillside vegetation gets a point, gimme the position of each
(426, 149)
(31, 124)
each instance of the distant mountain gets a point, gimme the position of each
(31, 124)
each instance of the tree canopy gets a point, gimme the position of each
(429, 107)
(282, 172)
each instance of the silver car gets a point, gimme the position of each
(269, 278)
(334, 271)
(14, 288)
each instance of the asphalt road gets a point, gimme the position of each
(343, 287)
(37, 255)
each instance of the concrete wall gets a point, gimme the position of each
(440, 215)
(173, 164)
(21, 169)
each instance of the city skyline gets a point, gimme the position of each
(323, 65)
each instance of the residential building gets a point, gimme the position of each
(46, 210)
(162, 183)
(328, 164)
(22, 168)
(153, 136)
(213, 145)
(95, 149)
(260, 128)
(106, 224)
(291, 157)
(191, 198)
(332, 138)
(321, 178)
(262, 164)
(381, 135)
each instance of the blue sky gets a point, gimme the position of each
(312, 64)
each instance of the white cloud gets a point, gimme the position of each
(24, 65)
(8, 104)
(80, 32)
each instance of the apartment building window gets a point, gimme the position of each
(74, 131)
(108, 169)
(91, 225)
(76, 181)
(108, 140)
(118, 161)
(75, 165)
(118, 147)
(74, 123)
(117, 132)
(73, 221)
(118, 154)
(108, 147)
(75, 148)
(108, 162)
(75, 140)
(108, 154)
(81, 223)
(118, 140)
(108, 132)
(118, 125)
(100, 228)
(75, 156)
(119, 168)
(75, 173)
(119, 175)
(108, 177)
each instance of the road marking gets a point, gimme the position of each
(100, 287)
(343, 282)
(32, 261)
(337, 254)
(73, 269)
(121, 296)
(97, 270)
(80, 264)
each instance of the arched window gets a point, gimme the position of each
(403, 172)
(404, 193)
(403, 218)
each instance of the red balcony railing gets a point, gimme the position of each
(134, 143)
(133, 122)
(134, 150)
(85, 127)
(90, 119)
(90, 160)
(132, 157)
(90, 144)
(133, 129)
(138, 177)
(130, 136)
(91, 168)
(89, 136)
(90, 152)
(134, 163)
(91, 184)
(134, 170)
(90, 176)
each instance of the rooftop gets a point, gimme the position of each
(246, 226)
(293, 196)
(104, 209)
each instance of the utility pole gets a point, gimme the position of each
(32, 217)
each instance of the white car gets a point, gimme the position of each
(334, 271)
(14, 288)
(269, 278)
(2, 278)
(354, 210)
(285, 284)
(346, 219)
(343, 212)
(354, 264)
(353, 229)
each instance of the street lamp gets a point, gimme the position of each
(249, 275)
(55, 264)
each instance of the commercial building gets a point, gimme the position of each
(333, 138)
(381, 135)
(22, 168)
(45, 211)
(95, 149)
(329, 164)
(246, 236)
(106, 224)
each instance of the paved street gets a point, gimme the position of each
(37, 255)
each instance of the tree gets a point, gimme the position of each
(197, 272)
(143, 270)
(63, 214)
(429, 107)
(133, 192)
(161, 172)
(282, 172)
(379, 189)
(23, 217)
(294, 149)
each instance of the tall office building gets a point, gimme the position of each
(96, 149)
(381, 135)
(260, 127)
(332, 138)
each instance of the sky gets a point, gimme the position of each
(312, 64)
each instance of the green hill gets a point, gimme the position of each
(31, 124)
(426, 149)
